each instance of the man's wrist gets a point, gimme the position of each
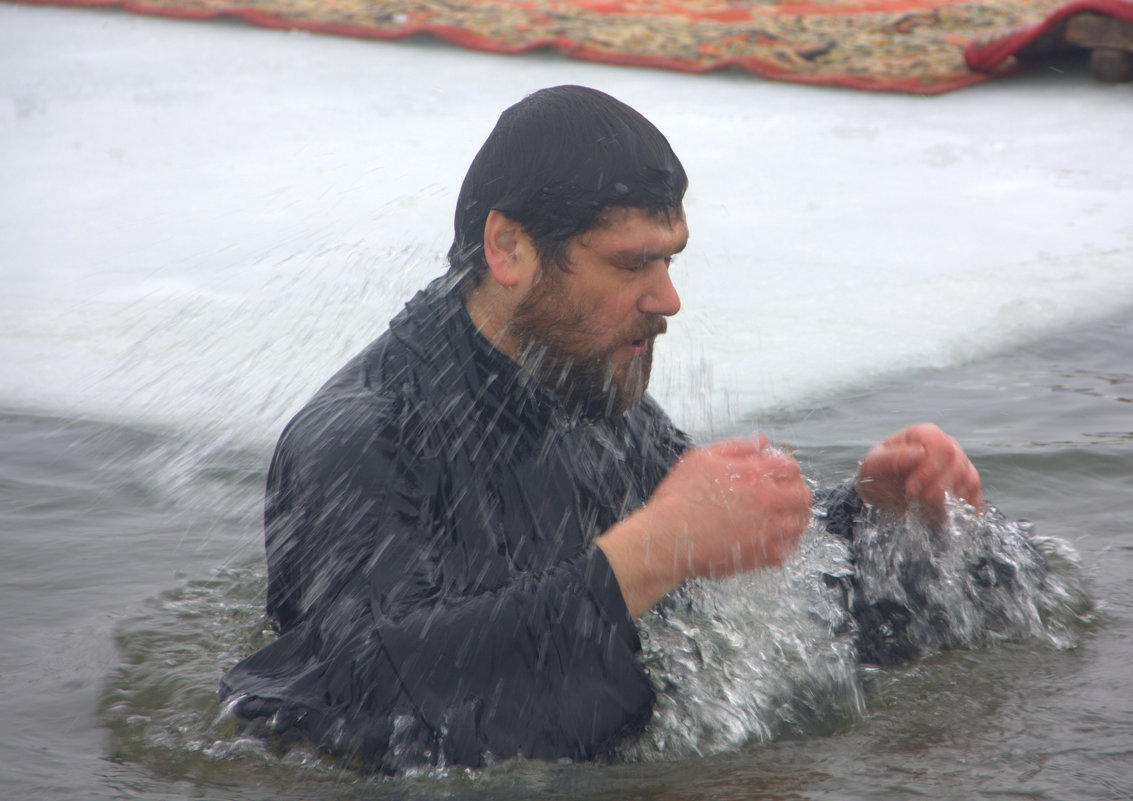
(642, 561)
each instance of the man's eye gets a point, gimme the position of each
(636, 265)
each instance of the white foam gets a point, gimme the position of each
(199, 222)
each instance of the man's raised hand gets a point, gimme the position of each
(726, 508)
(916, 469)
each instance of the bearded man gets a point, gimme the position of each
(463, 524)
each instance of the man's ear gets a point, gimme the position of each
(508, 250)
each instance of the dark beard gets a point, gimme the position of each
(552, 334)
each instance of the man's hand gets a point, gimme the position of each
(915, 469)
(723, 509)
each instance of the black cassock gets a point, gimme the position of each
(430, 522)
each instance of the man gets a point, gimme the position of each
(464, 522)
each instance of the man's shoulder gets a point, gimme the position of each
(360, 390)
(335, 424)
(381, 398)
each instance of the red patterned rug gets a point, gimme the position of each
(916, 46)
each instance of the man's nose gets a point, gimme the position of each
(661, 296)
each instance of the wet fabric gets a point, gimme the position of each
(430, 521)
(430, 525)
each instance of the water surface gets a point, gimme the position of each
(133, 557)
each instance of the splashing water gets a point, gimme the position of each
(769, 655)
(752, 658)
(778, 653)
(982, 577)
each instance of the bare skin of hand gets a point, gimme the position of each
(726, 508)
(916, 469)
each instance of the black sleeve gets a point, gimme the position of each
(841, 508)
(893, 620)
(399, 647)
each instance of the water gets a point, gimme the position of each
(137, 587)
(198, 223)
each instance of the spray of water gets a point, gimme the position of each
(781, 653)
(770, 655)
(981, 578)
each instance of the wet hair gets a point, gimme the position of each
(554, 163)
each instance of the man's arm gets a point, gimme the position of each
(740, 504)
(409, 645)
(915, 470)
(723, 509)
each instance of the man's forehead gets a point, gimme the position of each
(633, 222)
(615, 215)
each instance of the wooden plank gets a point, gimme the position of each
(1097, 30)
(1110, 65)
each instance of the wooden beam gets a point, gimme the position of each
(1097, 30)
(1110, 41)
(1111, 66)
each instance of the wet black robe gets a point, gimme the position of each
(430, 521)
(430, 524)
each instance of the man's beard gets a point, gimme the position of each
(557, 346)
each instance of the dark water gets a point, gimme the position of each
(131, 575)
